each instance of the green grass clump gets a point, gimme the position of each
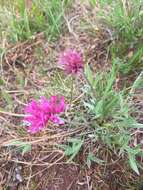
(109, 115)
(124, 21)
(125, 18)
(24, 22)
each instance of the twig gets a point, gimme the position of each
(44, 138)
(13, 114)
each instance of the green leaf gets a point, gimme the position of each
(133, 163)
(26, 148)
(7, 97)
(89, 74)
(73, 148)
(21, 146)
(99, 108)
(110, 80)
(91, 158)
(137, 125)
(1, 82)
(133, 151)
(93, 3)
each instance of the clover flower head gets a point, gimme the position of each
(39, 113)
(71, 61)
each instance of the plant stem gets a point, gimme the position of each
(72, 88)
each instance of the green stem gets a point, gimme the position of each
(72, 89)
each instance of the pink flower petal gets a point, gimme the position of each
(39, 113)
(56, 119)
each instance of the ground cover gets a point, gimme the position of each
(76, 66)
